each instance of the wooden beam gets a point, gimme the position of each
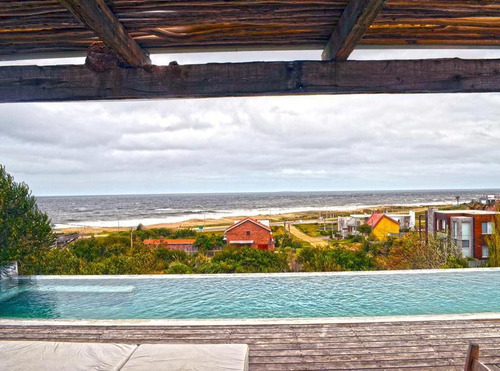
(78, 83)
(352, 26)
(96, 15)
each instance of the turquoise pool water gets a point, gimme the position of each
(259, 296)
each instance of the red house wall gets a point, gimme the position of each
(479, 237)
(262, 238)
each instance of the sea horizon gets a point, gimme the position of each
(152, 209)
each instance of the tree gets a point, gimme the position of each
(25, 231)
(493, 242)
(414, 252)
(365, 229)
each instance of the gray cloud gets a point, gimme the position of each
(257, 144)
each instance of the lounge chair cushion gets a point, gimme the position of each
(51, 356)
(189, 357)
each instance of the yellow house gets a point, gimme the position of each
(382, 225)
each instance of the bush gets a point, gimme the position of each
(247, 260)
(334, 259)
(178, 268)
(414, 252)
(208, 242)
(25, 231)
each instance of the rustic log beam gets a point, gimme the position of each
(79, 83)
(96, 15)
(352, 26)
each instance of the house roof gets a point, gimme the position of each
(180, 241)
(254, 221)
(376, 218)
(467, 212)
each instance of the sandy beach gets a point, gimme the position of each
(210, 223)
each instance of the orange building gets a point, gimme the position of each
(186, 245)
(250, 232)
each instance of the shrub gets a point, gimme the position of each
(25, 231)
(334, 259)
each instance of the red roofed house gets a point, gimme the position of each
(382, 226)
(250, 232)
(186, 245)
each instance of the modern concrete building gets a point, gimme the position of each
(468, 229)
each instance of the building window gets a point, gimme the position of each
(486, 252)
(455, 230)
(443, 225)
(487, 227)
(465, 244)
(465, 231)
(248, 233)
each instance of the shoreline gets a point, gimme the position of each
(215, 223)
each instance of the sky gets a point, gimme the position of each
(308, 143)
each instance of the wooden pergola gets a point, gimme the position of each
(118, 36)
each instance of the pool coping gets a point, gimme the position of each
(253, 275)
(493, 316)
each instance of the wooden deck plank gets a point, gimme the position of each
(356, 346)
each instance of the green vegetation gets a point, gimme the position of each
(315, 230)
(115, 255)
(334, 259)
(24, 230)
(416, 251)
(143, 234)
(493, 243)
(27, 238)
(246, 260)
(365, 229)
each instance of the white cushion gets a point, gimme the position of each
(189, 357)
(52, 356)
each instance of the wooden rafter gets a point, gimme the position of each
(73, 83)
(96, 15)
(352, 26)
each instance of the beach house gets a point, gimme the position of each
(468, 229)
(348, 225)
(250, 232)
(383, 226)
(186, 244)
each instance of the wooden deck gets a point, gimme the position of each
(358, 346)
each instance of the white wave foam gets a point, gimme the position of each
(133, 222)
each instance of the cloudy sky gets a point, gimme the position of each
(356, 142)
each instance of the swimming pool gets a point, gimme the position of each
(252, 296)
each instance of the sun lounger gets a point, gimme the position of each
(51, 356)
(192, 357)
(62, 356)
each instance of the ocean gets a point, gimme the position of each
(130, 210)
